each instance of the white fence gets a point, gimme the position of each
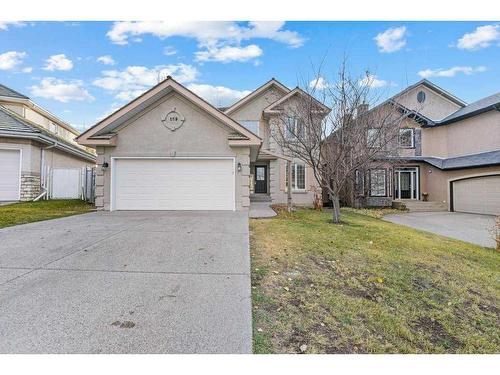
(69, 183)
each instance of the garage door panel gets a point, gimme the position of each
(9, 174)
(174, 184)
(477, 195)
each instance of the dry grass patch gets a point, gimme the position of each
(369, 286)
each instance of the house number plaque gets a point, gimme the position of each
(173, 120)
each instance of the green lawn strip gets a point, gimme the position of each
(370, 286)
(28, 212)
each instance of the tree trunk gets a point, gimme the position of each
(336, 209)
(289, 187)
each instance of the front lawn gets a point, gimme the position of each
(369, 286)
(27, 212)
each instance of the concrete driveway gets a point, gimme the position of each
(127, 282)
(473, 228)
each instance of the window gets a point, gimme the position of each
(373, 137)
(421, 97)
(294, 128)
(360, 182)
(378, 180)
(298, 176)
(406, 138)
(251, 125)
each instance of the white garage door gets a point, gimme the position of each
(173, 184)
(9, 174)
(480, 195)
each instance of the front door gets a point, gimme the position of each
(260, 179)
(406, 183)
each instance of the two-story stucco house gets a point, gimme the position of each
(33, 143)
(169, 149)
(449, 154)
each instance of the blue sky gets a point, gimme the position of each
(81, 71)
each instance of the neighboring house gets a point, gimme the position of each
(35, 146)
(169, 149)
(448, 153)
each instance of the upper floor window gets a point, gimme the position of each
(378, 182)
(251, 125)
(421, 97)
(294, 128)
(406, 138)
(373, 137)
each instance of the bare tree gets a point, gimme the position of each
(329, 127)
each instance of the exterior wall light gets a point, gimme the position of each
(104, 166)
(239, 167)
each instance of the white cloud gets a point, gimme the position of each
(391, 40)
(169, 51)
(106, 60)
(218, 95)
(228, 53)
(4, 25)
(10, 60)
(134, 80)
(451, 72)
(206, 32)
(318, 83)
(28, 69)
(373, 82)
(60, 90)
(482, 37)
(58, 62)
(217, 40)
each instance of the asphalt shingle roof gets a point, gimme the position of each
(467, 161)
(6, 91)
(483, 104)
(11, 123)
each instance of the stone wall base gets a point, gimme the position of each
(30, 186)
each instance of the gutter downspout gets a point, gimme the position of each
(42, 167)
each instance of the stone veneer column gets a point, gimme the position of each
(274, 176)
(99, 179)
(243, 157)
(30, 186)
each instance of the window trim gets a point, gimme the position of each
(385, 182)
(288, 134)
(412, 138)
(379, 141)
(294, 166)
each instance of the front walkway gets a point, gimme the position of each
(127, 282)
(473, 228)
(261, 210)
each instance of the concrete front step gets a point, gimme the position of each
(260, 198)
(420, 206)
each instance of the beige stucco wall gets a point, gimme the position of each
(476, 134)
(435, 106)
(30, 157)
(58, 159)
(201, 135)
(17, 108)
(252, 111)
(436, 182)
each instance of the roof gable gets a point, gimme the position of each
(438, 90)
(296, 91)
(254, 94)
(95, 135)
